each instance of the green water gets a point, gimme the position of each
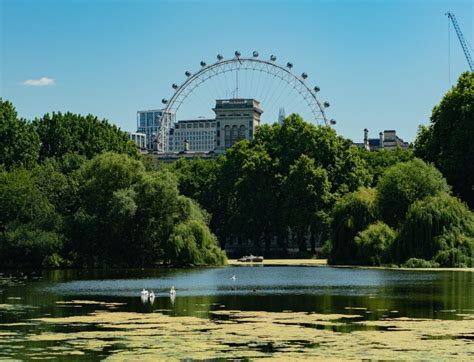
(374, 294)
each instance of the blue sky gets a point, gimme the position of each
(381, 64)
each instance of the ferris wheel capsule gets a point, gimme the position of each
(203, 64)
(273, 58)
(187, 73)
(164, 101)
(175, 86)
(316, 89)
(289, 65)
(237, 53)
(255, 54)
(219, 57)
(326, 104)
(332, 122)
(304, 75)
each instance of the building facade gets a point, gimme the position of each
(139, 139)
(387, 140)
(236, 119)
(149, 122)
(200, 135)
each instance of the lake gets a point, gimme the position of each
(267, 311)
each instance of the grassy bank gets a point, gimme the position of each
(323, 262)
(282, 262)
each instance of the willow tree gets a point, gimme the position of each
(439, 228)
(350, 215)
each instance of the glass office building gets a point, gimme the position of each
(149, 122)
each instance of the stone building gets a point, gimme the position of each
(236, 119)
(200, 135)
(387, 140)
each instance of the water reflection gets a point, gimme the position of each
(307, 289)
(208, 293)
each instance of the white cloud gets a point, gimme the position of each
(40, 82)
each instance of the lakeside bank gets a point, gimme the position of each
(323, 262)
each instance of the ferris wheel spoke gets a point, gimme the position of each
(271, 84)
(276, 94)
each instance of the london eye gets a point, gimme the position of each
(278, 88)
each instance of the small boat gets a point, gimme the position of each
(233, 277)
(172, 291)
(144, 292)
(151, 295)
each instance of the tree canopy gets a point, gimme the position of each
(20, 144)
(447, 140)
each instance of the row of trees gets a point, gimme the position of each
(65, 200)
(280, 188)
(298, 183)
(74, 190)
(410, 218)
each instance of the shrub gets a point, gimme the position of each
(350, 215)
(419, 263)
(374, 244)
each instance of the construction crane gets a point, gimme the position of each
(461, 40)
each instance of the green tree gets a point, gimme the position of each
(377, 162)
(374, 244)
(440, 228)
(84, 135)
(30, 228)
(447, 141)
(307, 198)
(350, 215)
(19, 144)
(127, 216)
(403, 184)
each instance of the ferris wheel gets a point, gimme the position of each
(278, 89)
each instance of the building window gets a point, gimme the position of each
(241, 132)
(149, 119)
(227, 140)
(235, 134)
(142, 120)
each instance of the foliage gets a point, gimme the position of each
(403, 184)
(308, 187)
(84, 135)
(191, 243)
(276, 189)
(381, 160)
(447, 140)
(108, 212)
(19, 144)
(27, 245)
(350, 215)
(374, 244)
(440, 228)
(419, 263)
(126, 215)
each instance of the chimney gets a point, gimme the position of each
(366, 139)
(381, 140)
